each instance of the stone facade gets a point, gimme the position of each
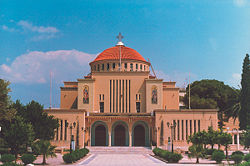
(120, 104)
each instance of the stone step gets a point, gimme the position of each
(120, 150)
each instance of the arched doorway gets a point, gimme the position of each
(100, 135)
(120, 135)
(139, 136)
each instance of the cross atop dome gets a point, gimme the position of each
(120, 37)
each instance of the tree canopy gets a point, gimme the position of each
(244, 115)
(6, 112)
(43, 124)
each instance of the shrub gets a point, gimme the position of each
(237, 158)
(11, 164)
(68, 158)
(6, 158)
(238, 152)
(156, 151)
(218, 156)
(245, 164)
(174, 157)
(28, 158)
(75, 155)
(209, 151)
(247, 157)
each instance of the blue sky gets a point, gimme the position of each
(207, 39)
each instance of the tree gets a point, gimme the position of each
(6, 112)
(196, 151)
(17, 134)
(198, 140)
(224, 139)
(212, 136)
(43, 124)
(45, 148)
(211, 94)
(244, 116)
(246, 139)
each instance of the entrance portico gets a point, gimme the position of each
(122, 131)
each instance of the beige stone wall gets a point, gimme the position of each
(102, 84)
(171, 98)
(90, 83)
(163, 118)
(150, 84)
(77, 116)
(68, 97)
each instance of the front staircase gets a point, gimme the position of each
(119, 150)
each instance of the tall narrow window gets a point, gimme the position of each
(102, 107)
(125, 66)
(144, 68)
(102, 67)
(194, 126)
(138, 107)
(65, 130)
(186, 129)
(126, 96)
(116, 96)
(131, 66)
(141, 67)
(98, 67)
(61, 134)
(103, 97)
(110, 94)
(120, 96)
(190, 127)
(136, 66)
(174, 130)
(113, 95)
(123, 96)
(57, 133)
(182, 129)
(100, 97)
(113, 66)
(94, 67)
(129, 96)
(107, 66)
(199, 125)
(178, 129)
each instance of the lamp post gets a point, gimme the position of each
(72, 137)
(172, 127)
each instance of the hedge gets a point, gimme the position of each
(237, 158)
(247, 157)
(28, 158)
(75, 155)
(218, 156)
(169, 156)
(7, 158)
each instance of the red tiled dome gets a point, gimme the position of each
(113, 53)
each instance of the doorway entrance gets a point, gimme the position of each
(139, 136)
(100, 135)
(120, 135)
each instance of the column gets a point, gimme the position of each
(233, 139)
(109, 138)
(238, 140)
(90, 135)
(130, 138)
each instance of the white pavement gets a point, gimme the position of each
(121, 160)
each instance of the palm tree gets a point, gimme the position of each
(196, 151)
(46, 149)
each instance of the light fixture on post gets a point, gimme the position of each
(172, 127)
(72, 142)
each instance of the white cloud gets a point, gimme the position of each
(6, 28)
(240, 3)
(35, 66)
(39, 32)
(181, 78)
(40, 29)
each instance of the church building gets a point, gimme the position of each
(121, 104)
